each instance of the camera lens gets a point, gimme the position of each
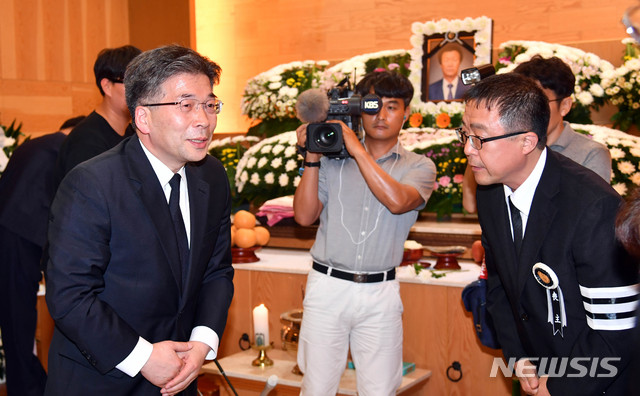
(326, 137)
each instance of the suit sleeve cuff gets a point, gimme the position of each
(206, 336)
(133, 363)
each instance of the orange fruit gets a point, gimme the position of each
(244, 219)
(262, 235)
(233, 235)
(245, 237)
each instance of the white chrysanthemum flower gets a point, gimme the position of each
(584, 98)
(635, 178)
(262, 162)
(269, 178)
(296, 181)
(255, 179)
(283, 180)
(290, 165)
(616, 153)
(620, 188)
(277, 149)
(251, 162)
(635, 151)
(276, 162)
(626, 167)
(266, 149)
(290, 151)
(596, 90)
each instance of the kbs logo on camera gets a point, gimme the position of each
(577, 367)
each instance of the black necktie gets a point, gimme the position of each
(450, 96)
(516, 223)
(178, 223)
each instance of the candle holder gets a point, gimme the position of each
(262, 360)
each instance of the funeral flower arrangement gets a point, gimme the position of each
(622, 87)
(270, 97)
(588, 68)
(444, 149)
(269, 169)
(625, 155)
(355, 68)
(229, 150)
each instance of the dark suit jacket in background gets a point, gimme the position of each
(26, 191)
(436, 93)
(571, 229)
(114, 264)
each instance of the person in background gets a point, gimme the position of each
(557, 82)
(449, 87)
(110, 122)
(628, 232)
(139, 277)
(366, 205)
(560, 286)
(26, 192)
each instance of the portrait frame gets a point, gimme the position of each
(473, 35)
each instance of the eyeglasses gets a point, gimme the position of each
(477, 141)
(211, 106)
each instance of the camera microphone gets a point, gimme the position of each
(312, 106)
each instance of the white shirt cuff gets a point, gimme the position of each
(207, 336)
(133, 363)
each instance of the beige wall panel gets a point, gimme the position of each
(47, 51)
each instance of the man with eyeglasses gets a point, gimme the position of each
(109, 123)
(139, 279)
(558, 83)
(559, 284)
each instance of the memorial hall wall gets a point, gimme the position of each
(47, 48)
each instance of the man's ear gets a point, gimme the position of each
(143, 119)
(565, 105)
(529, 142)
(106, 85)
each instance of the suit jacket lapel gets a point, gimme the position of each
(198, 203)
(154, 202)
(541, 215)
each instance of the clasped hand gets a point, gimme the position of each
(172, 365)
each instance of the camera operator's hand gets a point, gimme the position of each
(351, 141)
(301, 134)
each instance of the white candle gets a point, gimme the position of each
(261, 325)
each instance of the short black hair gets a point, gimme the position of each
(112, 62)
(551, 73)
(519, 100)
(386, 84)
(146, 73)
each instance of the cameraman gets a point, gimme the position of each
(366, 205)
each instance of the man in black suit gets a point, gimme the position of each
(449, 87)
(109, 123)
(139, 279)
(561, 289)
(26, 191)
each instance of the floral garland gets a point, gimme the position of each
(271, 96)
(444, 149)
(229, 150)
(356, 67)
(482, 37)
(622, 87)
(587, 67)
(625, 155)
(269, 169)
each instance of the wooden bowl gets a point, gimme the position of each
(244, 255)
(411, 256)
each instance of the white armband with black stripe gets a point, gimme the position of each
(610, 308)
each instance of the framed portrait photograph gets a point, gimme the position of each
(441, 49)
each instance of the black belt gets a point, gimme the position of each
(363, 277)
